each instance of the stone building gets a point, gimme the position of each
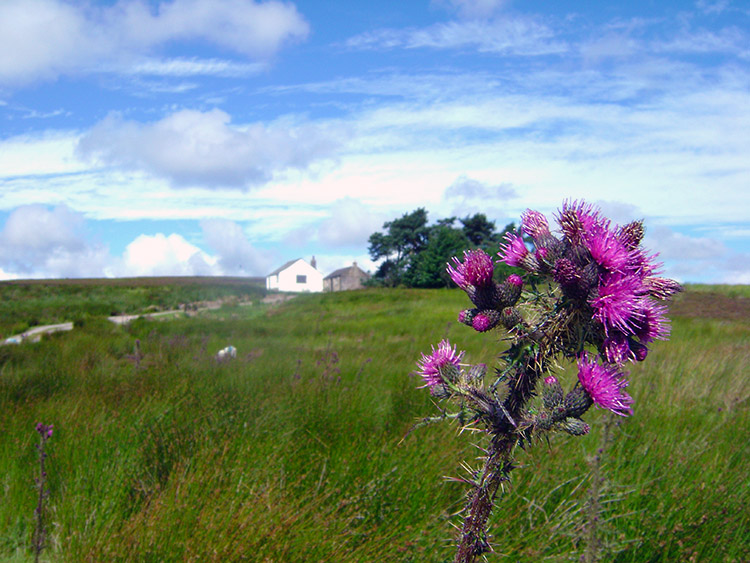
(351, 277)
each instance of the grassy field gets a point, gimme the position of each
(296, 450)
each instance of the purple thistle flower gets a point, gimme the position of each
(514, 250)
(652, 324)
(616, 348)
(617, 303)
(606, 249)
(534, 224)
(631, 234)
(661, 288)
(438, 367)
(576, 219)
(475, 271)
(641, 264)
(604, 384)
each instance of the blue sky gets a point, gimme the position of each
(198, 137)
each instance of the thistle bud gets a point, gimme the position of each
(552, 392)
(577, 402)
(574, 426)
(510, 291)
(511, 317)
(485, 320)
(466, 316)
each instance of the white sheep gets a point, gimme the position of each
(226, 354)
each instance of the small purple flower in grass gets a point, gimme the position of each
(44, 430)
(475, 271)
(604, 384)
(482, 323)
(441, 366)
(514, 250)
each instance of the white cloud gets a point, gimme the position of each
(235, 254)
(202, 148)
(42, 39)
(39, 242)
(350, 223)
(161, 255)
(194, 67)
(510, 36)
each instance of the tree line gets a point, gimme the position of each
(415, 254)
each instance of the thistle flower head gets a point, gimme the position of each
(616, 348)
(652, 324)
(534, 224)
(514, 250)
(576, 219)
(606, 249)
(604, 384)
(441, 366)
(631, 234)
(475, 271)
(617, 304)
(661, 288)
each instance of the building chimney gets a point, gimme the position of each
(314, 263)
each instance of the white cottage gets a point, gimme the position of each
(295, 275)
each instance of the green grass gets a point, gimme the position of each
(29, 303)
(295, 451)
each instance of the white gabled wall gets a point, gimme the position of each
(298, 276)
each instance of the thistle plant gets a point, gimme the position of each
(589, 296)
(40, 531)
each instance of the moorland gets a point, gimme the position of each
(299, 448)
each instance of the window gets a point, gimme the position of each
(301, 279)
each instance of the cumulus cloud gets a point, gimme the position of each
(235, 254)
(162, 255)
(193, 148)
(351, 222)
(42, 39)
(40, 242)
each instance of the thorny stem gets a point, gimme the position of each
(497, 468)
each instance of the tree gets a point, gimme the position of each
(405, 238)
(478, 229)
(413, 254)
(428, 267)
